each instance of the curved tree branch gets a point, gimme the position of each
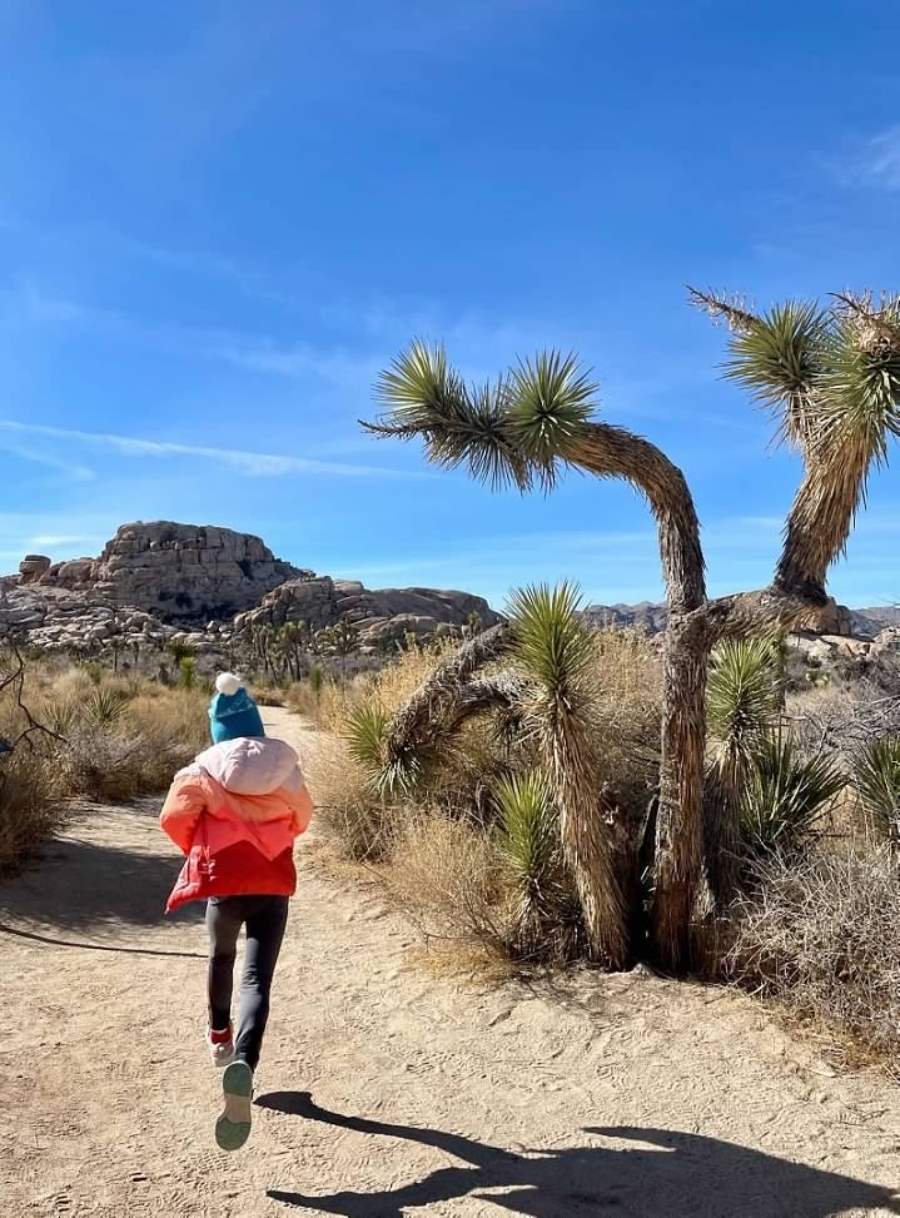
(613, 452)
(424, 719)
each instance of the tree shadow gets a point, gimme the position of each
(50, 941)
(81, 883)
(668, 1173)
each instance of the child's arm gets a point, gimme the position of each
(300, 802)
(184, 806)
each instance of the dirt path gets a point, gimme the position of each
(383, 1092)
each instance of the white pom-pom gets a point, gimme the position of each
(228, 683)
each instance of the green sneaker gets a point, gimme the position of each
(233, 1126)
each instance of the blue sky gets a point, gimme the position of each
(219, 220)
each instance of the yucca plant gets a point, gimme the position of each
(556, 651)
(742, 699)
(876, 776)
(316, 681)
(785, 797)
(364, 732)
(187, 672)
(61, 715)
(104, 707)
(528, 837)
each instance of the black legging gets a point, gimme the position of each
(265, 918)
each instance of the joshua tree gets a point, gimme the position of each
(342, 640)
(830, 375)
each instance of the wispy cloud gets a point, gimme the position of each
(883, 164)
(51, 540)
(27, 303)
(75, 471)
(251, 464)
(873, 162)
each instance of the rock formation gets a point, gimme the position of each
(179, 572)
(382, 617)
(32, 567)
(206, 588)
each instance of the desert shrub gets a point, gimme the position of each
(784, 797)
(138, 752)
(627, 692)
(448, 876)
(303, 699)
(114, 737)
(322, 701)
(821, 936)
(30, 807)
(843, 719)
(542, 918)
(30, 786)
(357, 822)
(171, 726)
(877, 780)
(266, 694)
(101, 765)
(343, 774)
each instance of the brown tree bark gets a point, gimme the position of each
(610, 451)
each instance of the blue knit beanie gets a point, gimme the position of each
(232, 712)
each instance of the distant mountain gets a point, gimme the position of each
(870, 621)
(643, 616)
(652, 617)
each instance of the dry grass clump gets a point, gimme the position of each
(627, 684)
(351, 810)
(821, 936)
(30, 809)
(30, 781)
(136, 746)
(348, 810)
(449, 877)
(116, 737)
(319, 701)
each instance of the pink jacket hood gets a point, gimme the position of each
(252, 765)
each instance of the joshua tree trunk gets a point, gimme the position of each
(612, 451)
(679, 833)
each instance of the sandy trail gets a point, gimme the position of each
(381, 1091)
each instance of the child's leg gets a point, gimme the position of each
(224, 917)
(266, 921)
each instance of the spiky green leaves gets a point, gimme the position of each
(549, 402)
(877, 779)
(784, 798)
(860, 387)
(742, 695)
(515, 430)
(544, 919)
(364, 731)
(460, 424)
(779, 358)
(550, 641)
(528, 830)
(832, 375)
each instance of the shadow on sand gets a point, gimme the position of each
(672, 1174)
(81, 882)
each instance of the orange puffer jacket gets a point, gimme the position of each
(235, 812)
